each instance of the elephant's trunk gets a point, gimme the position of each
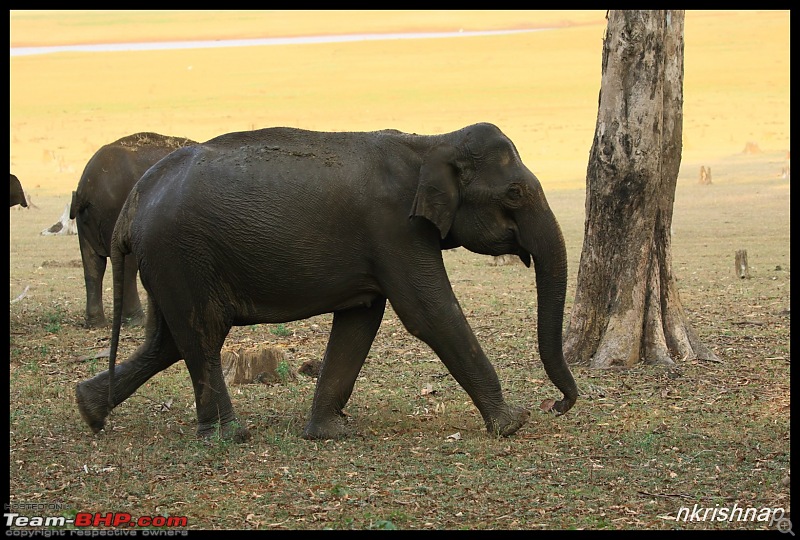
(540, 235)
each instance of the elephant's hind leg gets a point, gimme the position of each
(352, 334)
(157, 353)
(132, 312)
(94, 268)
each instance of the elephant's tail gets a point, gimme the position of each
(120, 247)
(73, 206)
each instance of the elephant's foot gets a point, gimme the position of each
(331, 428)
(135, 318)
(229, 431)
(95, 321)
(507, 422)
(92, 403)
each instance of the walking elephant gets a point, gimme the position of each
(283, 224)
(17, 195)
(104, 185)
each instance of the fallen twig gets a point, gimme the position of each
(666, 495)
(21, 295)
(105, 353)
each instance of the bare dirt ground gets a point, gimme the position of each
(639, 446)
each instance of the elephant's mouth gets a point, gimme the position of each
(523, 254)
(525, 257)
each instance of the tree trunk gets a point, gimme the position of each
(627, 307)
(64, 225)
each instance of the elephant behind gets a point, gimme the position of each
(104, 185)
(328, 222)
(17, 195)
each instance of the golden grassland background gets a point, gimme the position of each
(541, 88)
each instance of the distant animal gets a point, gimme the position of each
(281, 224)
(17, 194)
(105, 183)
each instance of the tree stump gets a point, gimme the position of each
(742, 269)
(503, 260)
(260, 364)
(705, 176)
(64, 225)
(751, 148)
(311, 368)
(785, 172)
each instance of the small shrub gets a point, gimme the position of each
(283, 370)
(280, 330)
(53, 320)
(383, 524)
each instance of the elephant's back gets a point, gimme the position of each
(349, 151)
(117, 166)
(291, 137)
(149, 139)
(163, 180)
(224, 190)
(280, 175)
(252, 164)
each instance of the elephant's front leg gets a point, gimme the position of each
(425, 303)
(352, 334)
(94, 268)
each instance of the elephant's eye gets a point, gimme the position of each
(514, 193)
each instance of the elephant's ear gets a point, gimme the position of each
(437, 197)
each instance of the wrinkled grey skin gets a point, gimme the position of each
(17, 196)
(283, 224)
(104, 185)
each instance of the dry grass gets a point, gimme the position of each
(638, 446)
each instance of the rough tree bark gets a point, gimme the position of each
(627, 308)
